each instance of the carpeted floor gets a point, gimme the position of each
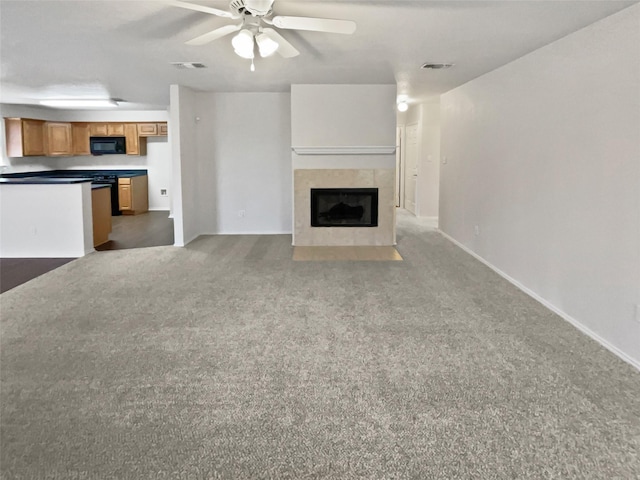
(227, 359)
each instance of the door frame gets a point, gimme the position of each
(400, 147)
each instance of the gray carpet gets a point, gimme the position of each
(226, 359)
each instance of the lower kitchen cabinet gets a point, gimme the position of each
(133, 195)
(101, 209)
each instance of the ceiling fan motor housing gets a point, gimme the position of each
(257, 8)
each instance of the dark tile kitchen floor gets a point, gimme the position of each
(150, 229)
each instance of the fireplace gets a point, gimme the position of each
(344, 207)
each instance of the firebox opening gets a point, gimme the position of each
(344, 207)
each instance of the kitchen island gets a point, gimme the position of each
(45, 217)
(133, 192)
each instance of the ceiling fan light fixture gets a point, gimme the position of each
(243, 43)
(258, 7)
(266, 45)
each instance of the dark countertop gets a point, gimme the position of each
(75, 173)
(42, 181)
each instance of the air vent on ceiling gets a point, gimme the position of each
(436, 66)
(189, 65)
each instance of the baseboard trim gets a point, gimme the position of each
(587, 331)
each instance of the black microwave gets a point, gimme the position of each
(107, 145)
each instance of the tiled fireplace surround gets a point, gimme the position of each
(381, 178)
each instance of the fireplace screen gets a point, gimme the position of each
(344, 207)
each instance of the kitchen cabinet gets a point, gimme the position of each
(115, 129)
(147, 129)
(30, 137)
(152, 129)
(101, 210)
(98, 129)
(133, 195)
(80, 133)
(135, 144)
(24, 137)
(58, 139)
(107, 129)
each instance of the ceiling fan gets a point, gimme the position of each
(254, 15)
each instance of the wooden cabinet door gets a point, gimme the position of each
(80, 133)
(147, 129)
(101, 210)
(115, 129)
(58, 141)
(133, 195)
(32, 137)
(162, 129)
(131, 138)
(124, 194)
(98, 129)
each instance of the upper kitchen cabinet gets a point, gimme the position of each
(135, 144)
(58, 139)
(108, 129)
(98, 129)
(147, 129)
(152, 129)
(24, 137)
(115, 129)
(80, 133)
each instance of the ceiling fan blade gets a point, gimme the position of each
(285, 49)
(315, 24)
(199, 8)
(214, 35)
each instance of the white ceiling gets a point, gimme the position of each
(123, 49)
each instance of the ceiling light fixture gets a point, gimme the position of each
(402, 103)
(266, 45)
(80, 103)
(243, 43)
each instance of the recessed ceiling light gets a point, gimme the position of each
(188, 65)
(436, 66)
(79, 103)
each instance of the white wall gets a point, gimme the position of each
(244, 160)
(186, 182)
(350, 115)
(46, 221)
(157, 161)
(543, 155)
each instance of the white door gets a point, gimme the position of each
(411, 167)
